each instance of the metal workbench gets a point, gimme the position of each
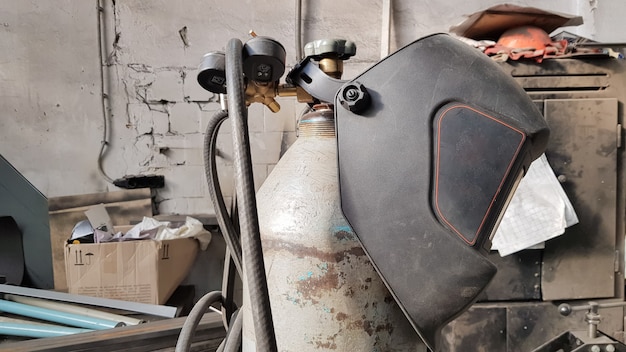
(583, 102)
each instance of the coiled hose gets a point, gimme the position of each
(250, 236)
(227, 225)
(244, 184)
(215, 191)
(193, 319)
(233, 340)
(231, 238)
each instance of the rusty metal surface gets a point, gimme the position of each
(530, 326)
(324, 292)
(583, 151)
(597, 81)
(477, 330)
(519, 327)
(583, 101)
(551, 82)
(565, 67)
(518, 277)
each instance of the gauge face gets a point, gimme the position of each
(212, 73)
(474, 157)
(263, 59)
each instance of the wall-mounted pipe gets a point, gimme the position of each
(386, 29)
(298, 31)
(104, 103)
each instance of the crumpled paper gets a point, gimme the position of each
(150, 228)
(539, 210)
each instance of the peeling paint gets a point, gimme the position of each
(183, 36)
(140, 68)
(114, 56)
(161, 106)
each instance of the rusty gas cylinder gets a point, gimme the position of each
(324, 292)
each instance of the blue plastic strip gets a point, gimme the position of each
(56, 316)
(37, 331)
(152, 309)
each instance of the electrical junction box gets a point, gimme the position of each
(145, 271)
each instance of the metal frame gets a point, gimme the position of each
(522, 324)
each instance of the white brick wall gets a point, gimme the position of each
(167, 86)
(184, 118)
(52, 127)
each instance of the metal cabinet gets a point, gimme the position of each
(583, 102)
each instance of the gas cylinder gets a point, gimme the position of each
(324, 292)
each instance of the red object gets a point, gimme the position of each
(527, 42)
(525, 37)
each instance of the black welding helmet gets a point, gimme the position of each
(432, 142)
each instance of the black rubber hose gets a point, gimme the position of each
(229, 279)
(229, 232)
(234, 338)
(221, 346)
(193, 319)
(248, 217)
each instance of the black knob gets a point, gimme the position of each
(354, 97)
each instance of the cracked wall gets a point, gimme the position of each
(52, 122)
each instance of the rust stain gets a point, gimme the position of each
(369, 326)
(312, 288)
(388, 327)
(355, 325)
(344, 236)
(329, 344)
(341, 316)
(304, 251)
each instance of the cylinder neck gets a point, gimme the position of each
(318, 123)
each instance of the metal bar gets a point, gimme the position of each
(564, 82)
(599, 305)
(37, 331)
(153, 336)
(152, 309)
(601, 45)
(57, 316)
(74, 309)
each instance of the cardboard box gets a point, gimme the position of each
(146, 271)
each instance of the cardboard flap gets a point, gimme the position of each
(175, 259)
(492, 22)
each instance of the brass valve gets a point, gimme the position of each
(328, 53)
(265, 93)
